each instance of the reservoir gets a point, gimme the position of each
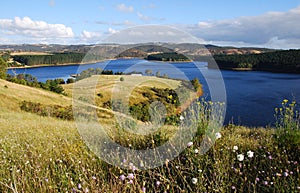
(251, 96)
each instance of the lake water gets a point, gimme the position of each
(251, 96)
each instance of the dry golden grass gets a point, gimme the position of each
(12, 94)
(132, 86)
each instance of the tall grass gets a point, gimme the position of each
(44, 154)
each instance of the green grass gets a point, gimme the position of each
(44, 154)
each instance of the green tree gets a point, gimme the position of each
(3, 68)
(148, 72)
(158, 73)
(195, 82)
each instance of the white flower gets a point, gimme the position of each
(235, 148)
(250, 153)
(240, 157)
(189, 144)
(196, 150)
(194, 180)
(181, 118)
(218, 135)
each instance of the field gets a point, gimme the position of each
(46, 154)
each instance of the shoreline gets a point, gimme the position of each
(52, 65)
(92, 62)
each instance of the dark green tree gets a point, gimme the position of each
(3, 69)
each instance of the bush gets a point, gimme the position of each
(56, 111)
(70, 80)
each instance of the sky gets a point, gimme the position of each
(260, 23)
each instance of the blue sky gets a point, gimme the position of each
(264, 23)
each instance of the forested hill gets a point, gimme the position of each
(54, 59)
(278, 61)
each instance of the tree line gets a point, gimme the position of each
(171, 56)
(278, 61)
(55, 58)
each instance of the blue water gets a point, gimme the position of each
(251, 96)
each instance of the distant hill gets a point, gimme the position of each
(137, 50)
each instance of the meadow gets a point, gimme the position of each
(47, 154)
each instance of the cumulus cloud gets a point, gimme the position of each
(90, 37)
(270, 29)
(122, 7)
(34, 29)
(150, 33)
(112, 31)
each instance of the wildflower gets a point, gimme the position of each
(86, 190)
(257, 179)
(141, 164)
(250, 153)
(122, 177)
(233, 187)
(130, 182)
(157, 183)
(79, 186)
(189, 144)
(266, 183)
(270, 157)
(143, 189)
(286, 174)
(240, 157)
(218, 135)
(196, 151)
(194, 180)
(94, 178)
(285, 101)
(278, 174)
(130, 176)
(235, 148)
(181, 118)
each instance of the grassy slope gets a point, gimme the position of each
(43, 154)
(15, 93)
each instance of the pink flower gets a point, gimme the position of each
(122, 177)
(130, 176)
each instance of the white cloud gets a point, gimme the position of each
(150, 33)
(34, 29)
(122, 7)
(90, 37)
(270, 29)
(143, 17)
(112, 31)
